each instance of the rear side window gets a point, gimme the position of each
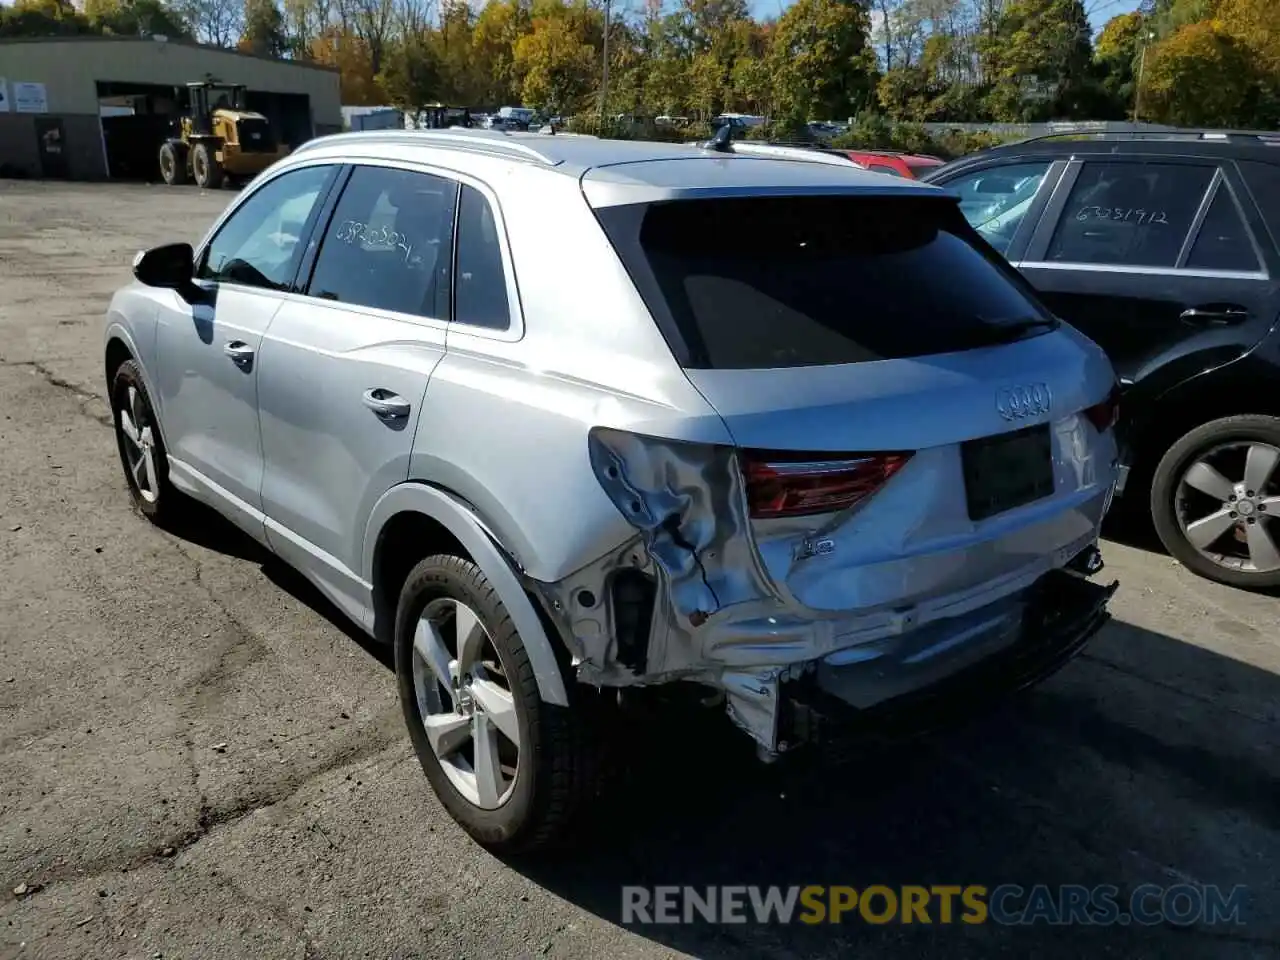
(388, 243)
(803, 281)
(1223, 241)
(481, 297)
(1129, 214)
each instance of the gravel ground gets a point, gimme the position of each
(197, 759)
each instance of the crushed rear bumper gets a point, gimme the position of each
(1058, 616)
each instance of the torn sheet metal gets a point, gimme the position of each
(700, 593)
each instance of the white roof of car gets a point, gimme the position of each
(611, 168)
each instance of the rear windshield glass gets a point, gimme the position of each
(800, 281)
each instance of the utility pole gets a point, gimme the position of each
(604, 75)
(1142, 64)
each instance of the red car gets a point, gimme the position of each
(909, 165)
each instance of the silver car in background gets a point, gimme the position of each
(557, 416)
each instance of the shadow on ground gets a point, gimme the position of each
(1071, 783)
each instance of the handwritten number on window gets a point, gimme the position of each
(1140, 217)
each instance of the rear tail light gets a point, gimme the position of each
(1105, 414)
(796, 485)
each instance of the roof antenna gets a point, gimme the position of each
(722, 142)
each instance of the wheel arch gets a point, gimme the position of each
(118, 347)
(415, 517)
(1245, 386)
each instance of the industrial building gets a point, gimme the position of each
(95, 108)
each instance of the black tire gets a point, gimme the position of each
(1192, 447)
(173, 165)
(168, 502)
(204, 165)
(557, 767)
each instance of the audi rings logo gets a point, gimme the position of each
(1018, 403)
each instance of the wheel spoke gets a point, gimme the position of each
(447, 732)
(1259, 464)
(135, 409)
(149, 458)
(128, 427)
(488, 768)
(470, 634)
(1262, 547)
(140, 473)
(1203, 532)
(500, 707)
(1209, 481)
(428, 645)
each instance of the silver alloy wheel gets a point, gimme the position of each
(139, 445)
(465, 703)
(1247, 508)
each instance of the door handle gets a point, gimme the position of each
(241, 353)
(1214, 316)
(387, 405)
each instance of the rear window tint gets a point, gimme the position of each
(751, 283)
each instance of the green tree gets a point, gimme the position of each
(1040, 57)
(263, 29)
(820, 60)
(410, 74)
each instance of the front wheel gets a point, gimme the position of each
(512, 770)
(142, 453)
(1215, 501)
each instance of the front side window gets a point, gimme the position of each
(261, 242)
(388, 243)
(481, 297)
(1129, 214)
(996, 200)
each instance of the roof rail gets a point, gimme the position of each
(723, 142)
(494, 142)
(1229, 136)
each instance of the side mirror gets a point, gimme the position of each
(171, 266)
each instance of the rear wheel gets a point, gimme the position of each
(173, 166)
(512, 770)
(1215, 501)
(204, 165)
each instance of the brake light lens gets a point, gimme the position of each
(786, 484)
(1105, 414)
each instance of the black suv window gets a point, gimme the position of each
(804, 281)
(388, 243)
(260, 244)
(1223, 242)
(1129, 214)
(996, 200)
(481, 295)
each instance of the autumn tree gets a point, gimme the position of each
(556, 66)
(1199, 76)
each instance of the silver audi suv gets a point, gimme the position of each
(562, 418)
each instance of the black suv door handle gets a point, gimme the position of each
(1216, 315)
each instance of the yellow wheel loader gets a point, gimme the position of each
(218, 139)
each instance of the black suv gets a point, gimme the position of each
(1163, 249)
